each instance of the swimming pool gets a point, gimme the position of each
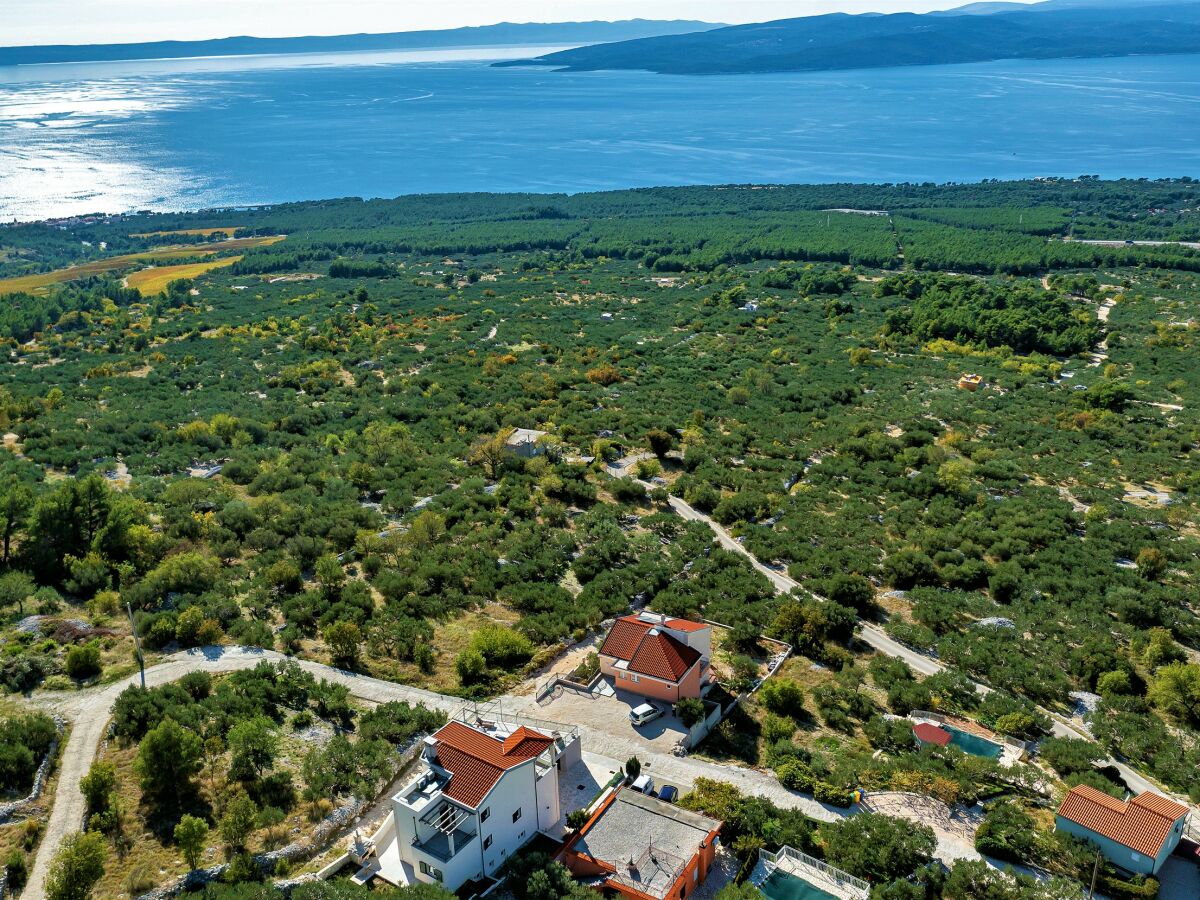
(782, 886)
(973, 743)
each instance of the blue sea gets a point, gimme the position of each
(168, 135)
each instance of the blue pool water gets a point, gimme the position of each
(973, 744)
(234, 131)
(782, 886)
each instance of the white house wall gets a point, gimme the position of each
(515, 790)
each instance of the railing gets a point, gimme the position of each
(844, 880)
(493, 713)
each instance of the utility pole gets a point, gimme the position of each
(137, 645)
(1095, 875)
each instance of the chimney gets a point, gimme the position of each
(429, 752)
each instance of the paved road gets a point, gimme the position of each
(91, 709)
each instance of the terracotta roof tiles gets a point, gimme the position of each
(476, 760)
(650, 651)
(623, 638)
(661, 656)
(1142, 824)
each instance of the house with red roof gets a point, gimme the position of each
(657, 656)
(483, 790)
(1136, 835)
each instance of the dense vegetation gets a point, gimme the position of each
(307, 452)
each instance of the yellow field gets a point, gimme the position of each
(149, 282)
(38, 284)
(229, 229)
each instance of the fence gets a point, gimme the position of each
(700, 730)
(855, 887)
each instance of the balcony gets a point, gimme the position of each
(445, 846)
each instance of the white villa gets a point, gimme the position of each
(483, 789)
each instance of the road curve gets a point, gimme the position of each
(91, 709)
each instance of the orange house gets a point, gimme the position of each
(641, 847)
(657, 656)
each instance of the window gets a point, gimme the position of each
(427, 869)
(487, 842)
(517, 814)
(483, 817)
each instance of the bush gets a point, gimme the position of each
(877, 847)
(690, 711)
(796, 776)
(16, 869)
(633, 768)
(824, 792)
(83, 660)
(1007, 833)
(782, 697)
(1119, 889)
(470, 666)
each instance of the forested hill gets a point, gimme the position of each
(503, 34)
(842, 41)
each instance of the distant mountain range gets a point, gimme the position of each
(976, 33)
(504, 34)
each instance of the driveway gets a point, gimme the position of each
(610, 715)
(1179, 879)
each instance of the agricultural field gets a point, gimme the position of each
(41, 283)
(227, 230)
(301, 446)
(152, 281)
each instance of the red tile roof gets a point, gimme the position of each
(623, 638)
(685, 625)
(1142, 824)
(930, 734)
(662, 656)
(476, 760)
(648, 650)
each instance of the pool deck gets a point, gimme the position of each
(815, 877)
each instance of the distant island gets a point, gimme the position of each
(503, 34)
(977, 33)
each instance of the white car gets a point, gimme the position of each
(645, 713)
(644, 784)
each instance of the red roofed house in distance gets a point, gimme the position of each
(657, 656)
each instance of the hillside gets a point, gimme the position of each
(503, 34)
(842, 41)
(304, 446)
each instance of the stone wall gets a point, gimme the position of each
(8, 810)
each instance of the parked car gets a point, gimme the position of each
(644, 784)
(668, 793)
(645, 713)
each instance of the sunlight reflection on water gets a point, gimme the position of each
(241, 131)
